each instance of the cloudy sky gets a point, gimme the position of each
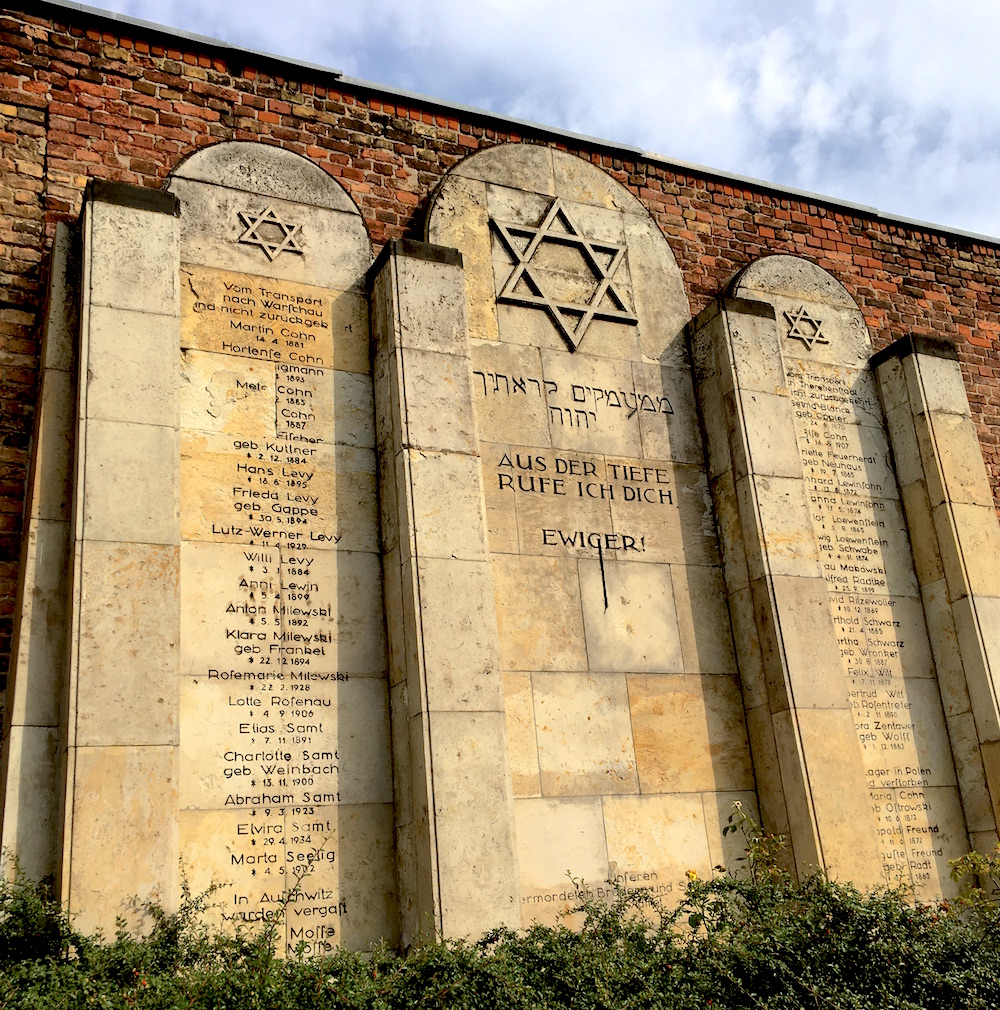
(889, 103)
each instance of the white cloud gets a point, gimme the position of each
(887, 102)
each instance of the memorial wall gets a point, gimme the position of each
(430, 591)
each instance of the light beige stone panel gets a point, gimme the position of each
(970, 773)
(555, 518)
(657, 289)
(331, 603)
(958, 461)
(522, 748)
(668, 415)
(263, 172)
(530, 327)
(977, 623)
(432, 316)
(922, 536)
(130, 485)
(59, 342)
(970, 548)
(849, 344)
(528, 168)
(446, 501)
(508, 393)
(341, 854)
(127, 798)
(336, 251)
(32, 785)
(727, 504)
(539, 613)
(558, 840)
(808, 648)
(501, 510)
(767, 771)
(366, 882)
(137, 263)
(459, 643)
(225, 393)
(756, 359)
(656, 837)
(835, 778)
(944, 643)
(127, 644)
(349, 720)
(461, 221)
(669, 514)
(746, 640)
(767, 421)
(782, 506)
(629, 617)
(44, 611)
(721, 810)
(52, 474)
(906, 448)
(931, 836)
(703, 619)
(594, 406)
(941, 384)
(325, 498)
(892, 384)
(132, 366)
(474, 831)
(584, 734)
(437, 394)
(690, 734)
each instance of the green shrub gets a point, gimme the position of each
(755, 939)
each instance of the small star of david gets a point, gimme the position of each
(602, 259)
(267, 223)
(805, 327)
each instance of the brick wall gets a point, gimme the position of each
(80, 99)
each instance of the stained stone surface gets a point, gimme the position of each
(284, 761)
(847, 664)
(624, 718)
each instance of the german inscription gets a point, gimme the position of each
(865, 554)
(277, 591)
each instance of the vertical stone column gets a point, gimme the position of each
(951, 516)
(810, 776)
(122, 731)
(454, 805)
(30, 760)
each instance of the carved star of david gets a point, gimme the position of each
(805, 327)
(602, 259)
(284, 235)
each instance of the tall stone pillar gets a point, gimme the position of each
(953, 527)
(121, 691)
(454, 819)
(30, 760)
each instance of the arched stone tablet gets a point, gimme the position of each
(851, 743)
(625, 732)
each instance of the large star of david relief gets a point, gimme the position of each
(802, 326)
(531, 285)
(268, 231)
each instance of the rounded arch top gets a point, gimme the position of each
(595, 246)
(267, 171)
(257, 209)
(790, 277)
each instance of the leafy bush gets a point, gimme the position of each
(757, 939)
